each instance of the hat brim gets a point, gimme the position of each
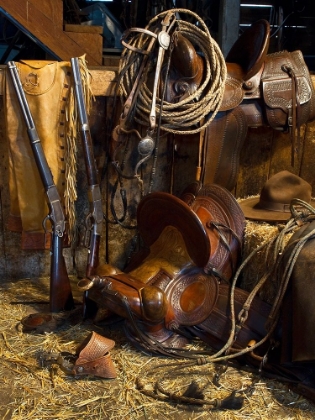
(253, 212)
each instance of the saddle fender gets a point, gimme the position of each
(225, 137)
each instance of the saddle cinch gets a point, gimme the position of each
(178, 286)
(261, 90)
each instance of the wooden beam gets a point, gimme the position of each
(229, 21)
(103, 80)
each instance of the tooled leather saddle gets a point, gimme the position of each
(261, 90)
(177, 287)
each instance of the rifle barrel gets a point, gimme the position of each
(60, 288)
(94, 196)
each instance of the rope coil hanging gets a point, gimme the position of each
(196, 111)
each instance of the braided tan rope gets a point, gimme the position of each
(195, 112)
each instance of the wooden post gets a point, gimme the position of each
(229, 20)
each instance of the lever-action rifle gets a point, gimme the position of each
(60, 289)
(94, 220)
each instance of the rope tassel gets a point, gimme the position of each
(193, 395)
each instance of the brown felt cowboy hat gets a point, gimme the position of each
(273, 204)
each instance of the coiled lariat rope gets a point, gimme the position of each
(194, 112)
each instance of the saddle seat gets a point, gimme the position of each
(250, 49)
(245, 62)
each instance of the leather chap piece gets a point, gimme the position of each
(46, 85)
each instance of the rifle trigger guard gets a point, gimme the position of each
(45, 222)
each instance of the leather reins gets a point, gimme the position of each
(293, 119)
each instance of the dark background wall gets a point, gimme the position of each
(292, 22)
(264, 153)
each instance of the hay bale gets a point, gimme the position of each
(257, 234)
(31, 390)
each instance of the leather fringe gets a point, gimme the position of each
(73, 131)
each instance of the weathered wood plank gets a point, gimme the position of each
(35, 18)
(52, 9)
(90, 44)
(103, 80)
(86, 29)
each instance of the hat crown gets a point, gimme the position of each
(283, 187)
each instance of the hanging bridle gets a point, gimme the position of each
(146, 143)
(146, 108)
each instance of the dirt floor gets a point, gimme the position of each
(31, 390)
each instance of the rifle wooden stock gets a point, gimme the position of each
(95, 217)
(61, 298)
(60, 289)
